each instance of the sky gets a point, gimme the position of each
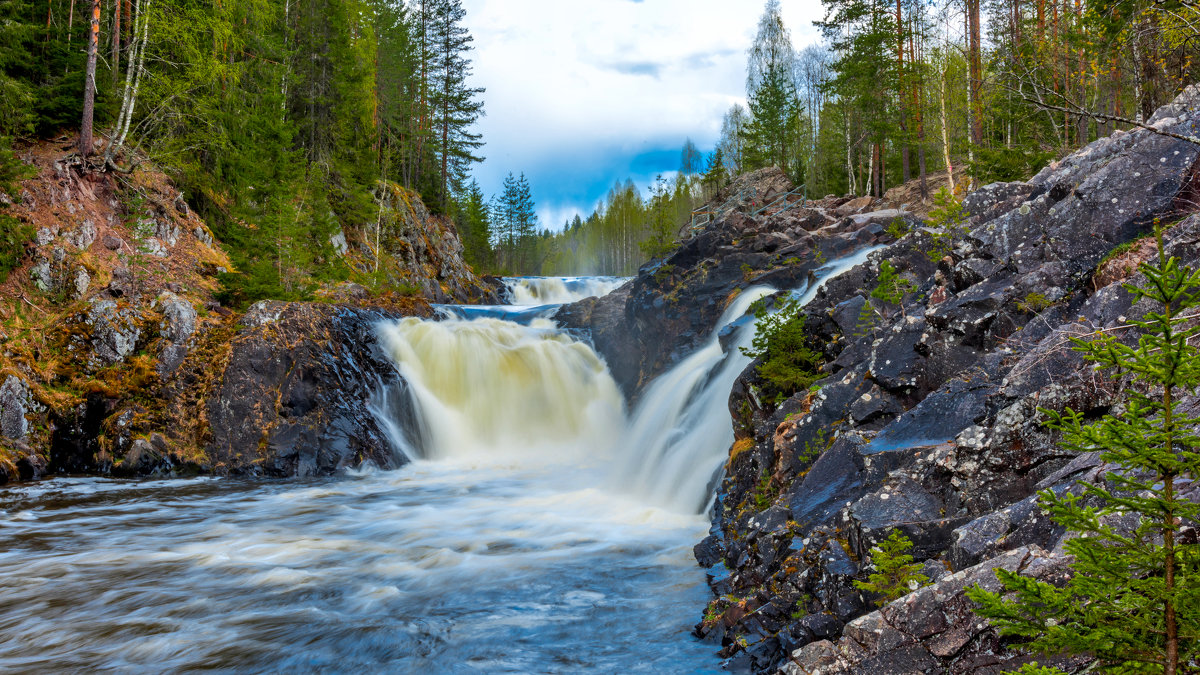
(583, 93)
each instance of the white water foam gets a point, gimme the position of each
(534, 291)
(680, 434)
(491, 390)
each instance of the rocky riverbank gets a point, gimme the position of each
(118, 359)
(926, 420)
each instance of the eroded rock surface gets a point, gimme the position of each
(927, 418)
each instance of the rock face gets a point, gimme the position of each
(927, 420)
(762, 238)
(418, 251)
(300, 393)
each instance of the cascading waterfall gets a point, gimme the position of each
(533, 291)
(492, 388)
(540, 528)
(680, 434)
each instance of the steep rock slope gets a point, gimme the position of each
(760, 238)
(119, 360)
(927, 421)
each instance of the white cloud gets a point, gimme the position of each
(573, 84)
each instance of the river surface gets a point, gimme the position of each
(542, 528)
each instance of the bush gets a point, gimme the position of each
(788, 364)
(946, 221)
(14, 234)
(1132, 600)
(897, 574)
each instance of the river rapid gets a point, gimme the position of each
(541, 528)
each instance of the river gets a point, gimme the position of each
(541, 528)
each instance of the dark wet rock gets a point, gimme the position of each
(758, 238)
(298, 395)
(931, 630)
(928, 419)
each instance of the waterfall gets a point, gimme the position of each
(496, 389)
(679, 437)
(493, 389)
(531, 291)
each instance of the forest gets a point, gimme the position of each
(926, 95)
(284, 120)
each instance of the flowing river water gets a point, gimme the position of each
(541, 528)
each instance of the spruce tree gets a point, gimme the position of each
(455, 104)
(1133, 598)
(896, 575)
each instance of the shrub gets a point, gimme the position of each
(946, 220)
(892, 287)
(788, 363)
(897, 575)
(1035, 303)
(898, 228)
(1133, 596)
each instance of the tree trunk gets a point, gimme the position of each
(976, 68)
(116, 41)
(89, 84)
(946, 128)
(905, 162)
(917, 89)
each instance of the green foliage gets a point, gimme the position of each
(867, 319)
(814, 448)
(1035, 303)
(661, 239)
(993, 165)
(788, 363)
(892, 287)
(896, 574)
(1133, 598)
(1037, 669)
(14, 234)
(764, 492)
(946, 222)
(898, 228)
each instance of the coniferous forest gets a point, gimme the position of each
(287, 117)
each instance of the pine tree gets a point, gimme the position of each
(525, 212)
(1133, 598)
(474, 224)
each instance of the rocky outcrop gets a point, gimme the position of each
(414, 250)
(927, 420)
(120, 360)
(306, 391)
(670, 307)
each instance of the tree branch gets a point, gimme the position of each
(1083, 112)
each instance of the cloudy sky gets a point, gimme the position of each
(581, 93)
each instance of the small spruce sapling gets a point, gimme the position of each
(788, 364)
(946, 220)
(897, 575)
(1133, 598)
(892, 287)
